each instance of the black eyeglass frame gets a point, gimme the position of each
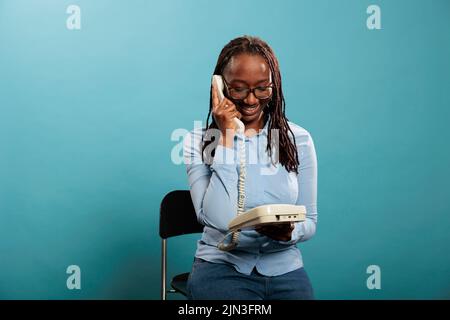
(250, 90)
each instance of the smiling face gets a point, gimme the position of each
(248, 71)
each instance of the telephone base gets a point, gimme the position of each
(268, 214)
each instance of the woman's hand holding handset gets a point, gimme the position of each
(224, 113)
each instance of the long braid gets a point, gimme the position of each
(288, 155)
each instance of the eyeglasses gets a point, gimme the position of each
(242, 93)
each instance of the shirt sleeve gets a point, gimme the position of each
(213, 187)
(307, 189)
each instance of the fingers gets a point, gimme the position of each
(224, 111)
(217, 104)
(264, 230)
(276, 226)
(226, 107)
(215, 97)
(235, 114)
(225, 103)
(276, 231)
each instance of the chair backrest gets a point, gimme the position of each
(177, 215)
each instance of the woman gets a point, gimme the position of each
(266, 264)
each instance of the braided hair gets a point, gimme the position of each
(288, 155)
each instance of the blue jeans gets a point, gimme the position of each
(217, 281)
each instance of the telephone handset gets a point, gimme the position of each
(266, 214)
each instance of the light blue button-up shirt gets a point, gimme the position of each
(214, 191)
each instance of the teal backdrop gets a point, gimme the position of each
(87, 117)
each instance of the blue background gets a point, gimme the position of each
(86, 118)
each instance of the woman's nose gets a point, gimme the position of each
(251, 99)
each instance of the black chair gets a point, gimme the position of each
(177, 217)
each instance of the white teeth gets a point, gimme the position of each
(249, 110)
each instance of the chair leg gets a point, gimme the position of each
(163, 269)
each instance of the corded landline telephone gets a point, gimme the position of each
(266, 214)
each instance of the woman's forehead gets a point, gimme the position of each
(247, 68)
